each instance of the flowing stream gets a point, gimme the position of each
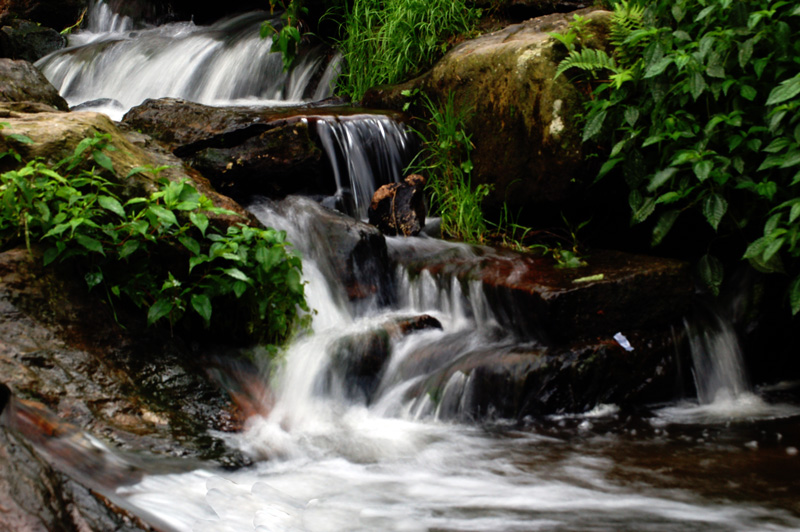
(333, 457)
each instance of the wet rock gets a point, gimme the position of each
(139, 388)
(242, 151)
(399, 208)
(354, 252)
(527, 144)
(530, 295)
(57, 14)
(513, 382)
(23, 39)
(20, 81)
(358, 360)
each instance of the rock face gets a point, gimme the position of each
(526, 143)
(23, 39)
(58, 14)
(242, 151)
(20, 81)
(399, 208)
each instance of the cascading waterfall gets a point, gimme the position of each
(112, 68)
(390, 457)
(365, 152)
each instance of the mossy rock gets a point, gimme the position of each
(523, 120)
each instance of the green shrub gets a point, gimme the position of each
(160, 252)
(388, 41)
(700, 99)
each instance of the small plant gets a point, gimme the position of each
(287, 37)
(445, 158)
(160, 252)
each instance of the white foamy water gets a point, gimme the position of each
(114, 67)
(329, 463)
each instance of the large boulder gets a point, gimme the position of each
(20, 81)
(23, 39)
(521, 118)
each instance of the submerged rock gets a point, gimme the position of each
(527, 143)
(399, 208)
(20, 81)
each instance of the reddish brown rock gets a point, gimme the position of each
(399, 208)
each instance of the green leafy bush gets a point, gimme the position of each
(160, 252)
(700, 99)
(385, 42)
(286, 37)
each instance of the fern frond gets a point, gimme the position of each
(627, 20)
(589, 60)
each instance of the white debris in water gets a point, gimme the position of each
(791, 451)
(602, 410)
(752, 445)
(623, 341)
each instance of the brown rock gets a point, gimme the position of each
(399, 208)
(20, 81)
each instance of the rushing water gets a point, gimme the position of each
(328, 459)
(111, 67)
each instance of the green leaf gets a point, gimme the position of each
(159, 309)
(103, 160)
(794, 213)
(756, 248)
(190, 243)
(236, 273)
(714, 208)
(697, 84)
(128, 248)
(661, 177)
(200, 221)
(22, 139)
(293, 282)
(631, 115)
(90, 243)
(93, 279)
(594, 125)
(745, 52)
(794, 289)
(772, 249)
(111, 204)
(711, 272)
(239, 288)
(658, 67)
(702, 169)
(202, 305)
(663, 226)
(50, 255)
(748, 93)
(787, 90)
(166, 216)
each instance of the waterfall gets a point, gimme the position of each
(365, 152)
(114, 68)
(719, 369)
